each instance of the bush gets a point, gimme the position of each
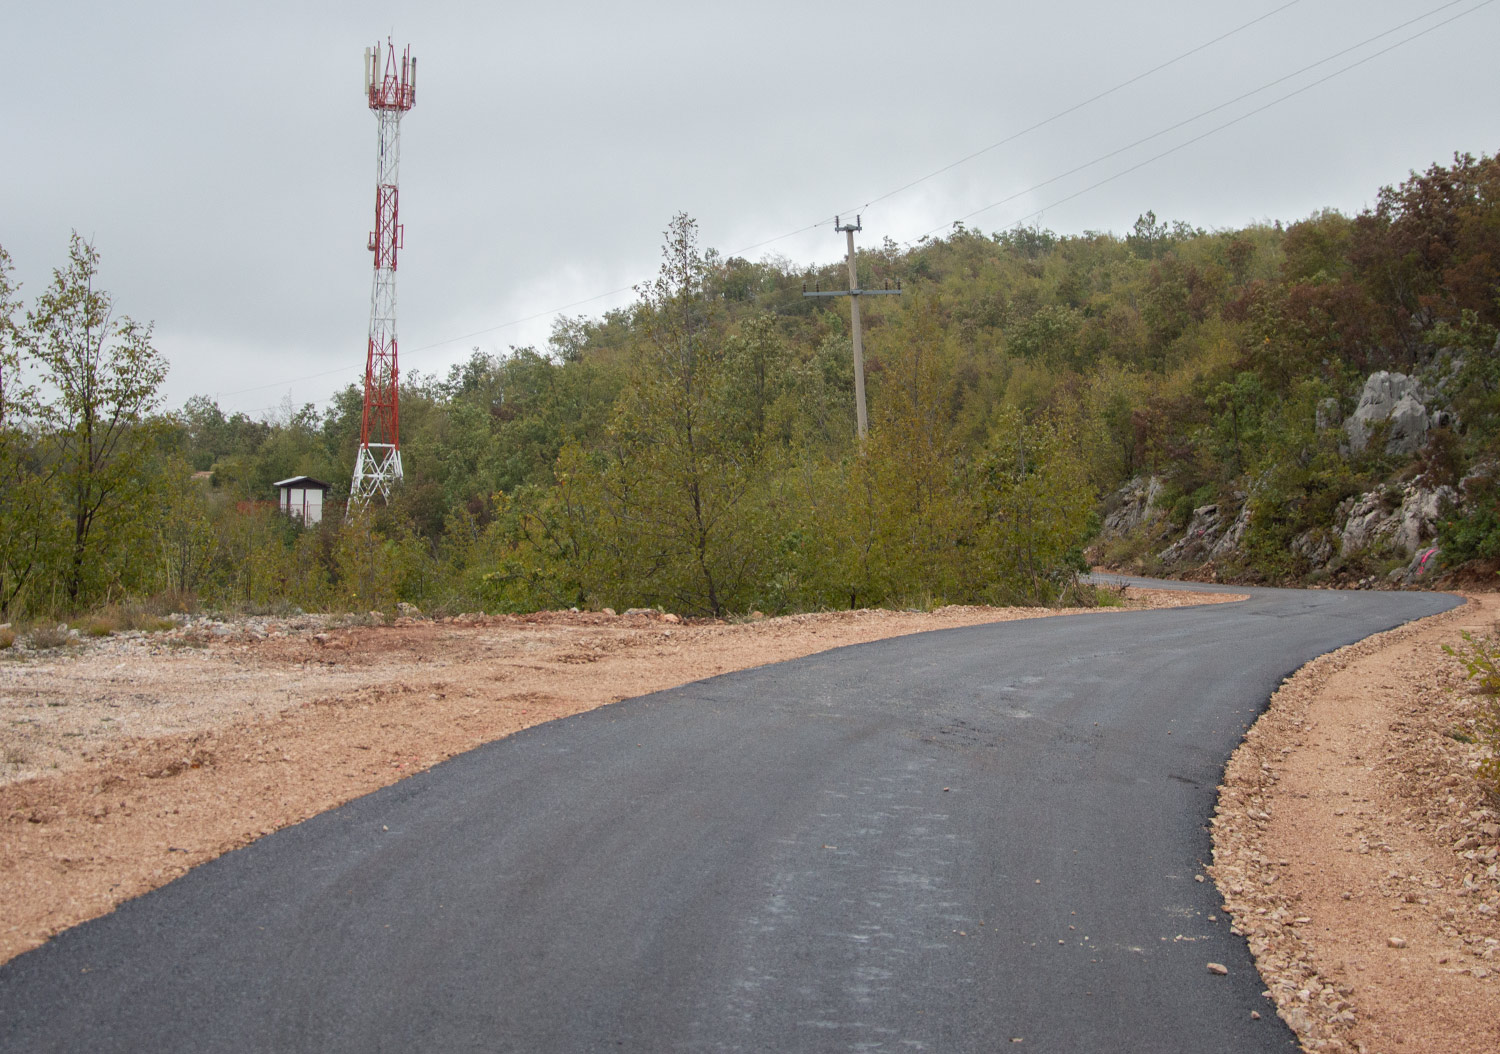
(49, 636)
(1472, 537)
(126, 616)
(1481, 660)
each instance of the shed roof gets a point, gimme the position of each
(303, 481)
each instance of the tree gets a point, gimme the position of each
(1032, 499)
(27, 515)
(676, 472)
(1431, 247)
(907, 521)
(105, 375)
(186, 542)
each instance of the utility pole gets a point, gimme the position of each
(854, 293)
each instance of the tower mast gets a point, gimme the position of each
(390, 90)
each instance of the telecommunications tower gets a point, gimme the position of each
(391, 90)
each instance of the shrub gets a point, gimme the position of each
(1480, 658)
(45, 637)
(124, 617)
(1472, 537)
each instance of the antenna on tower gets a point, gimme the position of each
(390, 90)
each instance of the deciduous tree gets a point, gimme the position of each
(104, 377)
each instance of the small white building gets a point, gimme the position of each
(302, 496)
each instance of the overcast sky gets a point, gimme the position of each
(222, 158)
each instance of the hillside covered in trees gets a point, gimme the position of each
(1280, 403)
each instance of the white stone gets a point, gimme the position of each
(1392, 397)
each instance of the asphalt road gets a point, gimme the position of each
(945, 842)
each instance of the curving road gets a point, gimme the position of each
(943, 842)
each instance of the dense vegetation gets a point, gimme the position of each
(696, 450)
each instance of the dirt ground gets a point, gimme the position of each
(127, 760)
(1357, 853)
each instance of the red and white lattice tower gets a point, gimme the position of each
(391, 90)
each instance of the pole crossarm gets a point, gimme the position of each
(856, 292)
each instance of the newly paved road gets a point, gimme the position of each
(943, 842)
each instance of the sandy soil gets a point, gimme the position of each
(126, 761)
(1355, 850)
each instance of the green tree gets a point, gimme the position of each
(28, 513)
(906, 514)
(1033, 506)
(106, 377)
(678, 469)
(186, 542)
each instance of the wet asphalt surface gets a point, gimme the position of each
(943, 842)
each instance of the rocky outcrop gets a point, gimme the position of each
(1229, 542)
(1201, 537)
(1394, 398)
(1315, 546)
(1400, 520)
(1132, 506)
(1424, 564)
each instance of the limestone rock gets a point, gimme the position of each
(1133, 505)
(1229, 541)
(1203, 533)
(1392, 397)
(1314, 546)
(1375, 519)
(1423, 564)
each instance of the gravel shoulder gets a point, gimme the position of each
(1357, 853)
(129, 760)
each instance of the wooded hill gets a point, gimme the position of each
(1204, 394)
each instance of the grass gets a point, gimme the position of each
(1106, 597)
(126, 617)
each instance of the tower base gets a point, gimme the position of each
(377, 469)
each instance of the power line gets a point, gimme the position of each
(1032, 128)
(1078, 106)
(1217, 128)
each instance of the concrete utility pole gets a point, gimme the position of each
(854, 293)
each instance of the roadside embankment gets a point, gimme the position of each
(1358, 854)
